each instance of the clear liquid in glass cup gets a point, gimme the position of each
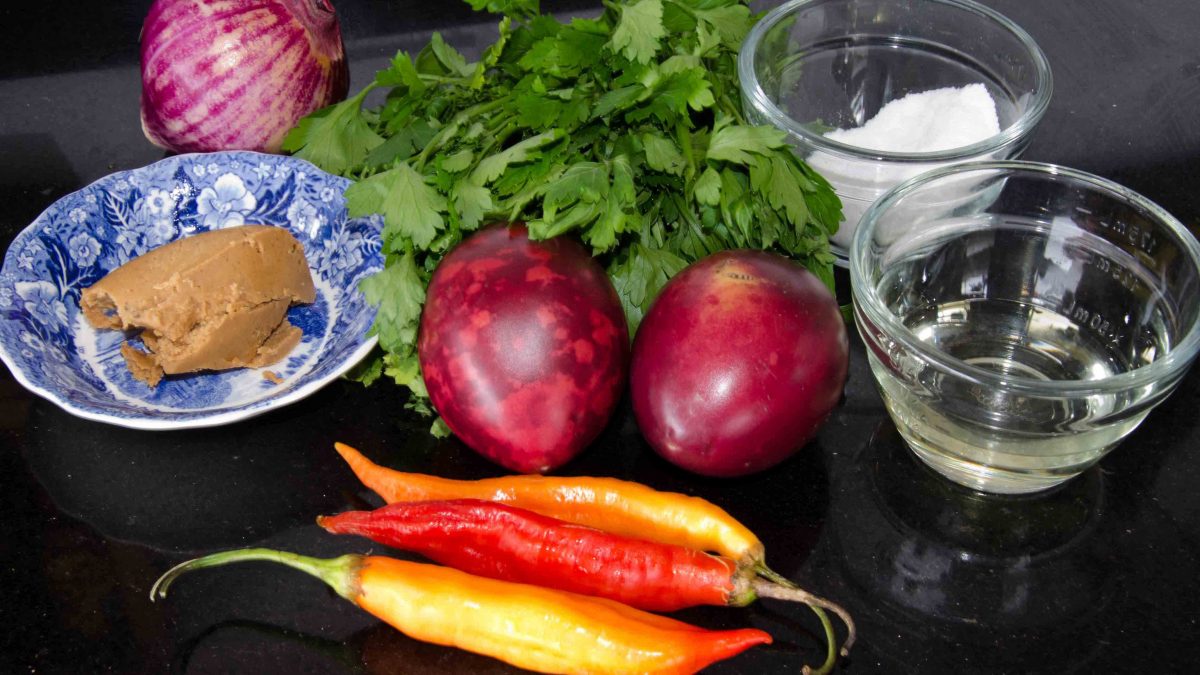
(1022, 319)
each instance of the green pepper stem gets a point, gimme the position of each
(340, 573)
(830, 640)
(767, 587)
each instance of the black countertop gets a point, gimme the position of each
(1099, 574)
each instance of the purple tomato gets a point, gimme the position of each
(523, 346)
(738, 363)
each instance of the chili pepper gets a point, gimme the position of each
(504, 542)
(607, 504)
(527, 626)
(496, 540)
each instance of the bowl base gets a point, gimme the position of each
(989, 478)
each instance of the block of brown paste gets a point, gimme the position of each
(213, 301)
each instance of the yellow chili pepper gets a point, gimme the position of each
(527, 626)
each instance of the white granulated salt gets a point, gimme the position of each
(927, 121)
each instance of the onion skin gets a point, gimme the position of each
(738, 363)
(237, 74)
(523, 347)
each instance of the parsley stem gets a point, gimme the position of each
(365, 90)
(428, 77)
(520, 200)
(731, 109)
(686, 213)
(452, 127)
(684, 136)
(498, 137)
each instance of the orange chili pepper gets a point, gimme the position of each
(608, 504)
(527, 626)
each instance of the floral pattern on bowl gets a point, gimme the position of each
(52, 350)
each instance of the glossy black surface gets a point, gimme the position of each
(1098, 575)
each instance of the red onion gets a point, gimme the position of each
(237, 74)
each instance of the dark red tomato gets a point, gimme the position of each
(523, 346)
(738, 363)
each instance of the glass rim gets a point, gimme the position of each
(757, 98)
(867, 301)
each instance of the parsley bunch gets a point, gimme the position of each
(625, 130)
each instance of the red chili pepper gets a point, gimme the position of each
(504, 542)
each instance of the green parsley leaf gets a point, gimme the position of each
(732, 22)
(402, 73)
(490, 168)
(739, 144)
(623, 179)
(662, 154)
(611, 222)
(618, 99)
(773, 177)
(458, 161)
(708, 187)
(336, 138)
(538, 111)
(449, 57)
(639, 30)
(398, 292)
(640, 276)
(368, 370)
(582, 181)
(406, 371)
(707, 40)
(518, 9)
(564, 54)
(439, 429)
(690, 87)
(411, 208)
(473, 202)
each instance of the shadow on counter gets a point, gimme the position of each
(962, 581)
(199, 489)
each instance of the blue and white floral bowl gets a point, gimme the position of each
(53, 351)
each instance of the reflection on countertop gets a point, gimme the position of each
(936, 558)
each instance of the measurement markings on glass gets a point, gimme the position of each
(1137, 235)
(1119, 273)
(1090, 318)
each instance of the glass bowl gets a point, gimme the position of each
(1021, 319)
(810, 66)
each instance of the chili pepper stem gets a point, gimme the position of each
(830, 641)
(771, 575)
(339, 573)
(789, 591)
(765, 572)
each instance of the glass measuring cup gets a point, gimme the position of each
(1021, 319)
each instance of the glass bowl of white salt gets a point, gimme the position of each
(874, 92)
